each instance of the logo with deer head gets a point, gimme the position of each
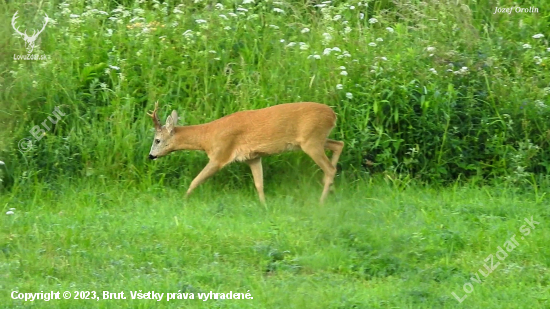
(29, 40)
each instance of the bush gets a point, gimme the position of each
(427, 89)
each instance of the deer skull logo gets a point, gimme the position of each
(29, 40)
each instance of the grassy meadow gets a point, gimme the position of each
(372, 246)
(442, 187)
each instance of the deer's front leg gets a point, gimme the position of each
(257, 174)
(210, 169)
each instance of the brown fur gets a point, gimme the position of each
(247, 136)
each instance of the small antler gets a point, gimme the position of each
(155, 117)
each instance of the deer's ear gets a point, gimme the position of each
(171, 121)
(174, 117)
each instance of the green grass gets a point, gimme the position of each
(370, 246)
(391, 70)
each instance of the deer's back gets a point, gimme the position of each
(274, 129)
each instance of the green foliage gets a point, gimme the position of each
(433, 90)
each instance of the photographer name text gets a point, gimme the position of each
(516, 9)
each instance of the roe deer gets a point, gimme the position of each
(249, 135)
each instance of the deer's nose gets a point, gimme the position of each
(152, 157)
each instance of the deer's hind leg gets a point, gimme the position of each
(317, 152)
(336, 148)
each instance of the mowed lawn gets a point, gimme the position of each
(372, 245)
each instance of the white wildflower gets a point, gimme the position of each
(200, 21)
(232, 14)
(314, 57)
(219, 6)
(136, 19)
(240, 9)
(326, 38)
(538, 36)
(352, 7)
(9, 212)
(347, 30)
(384, 58)
(526, 46)
(430, 49)
(248, 1)
(373, 20)
(291, 44)
(344, 73)
(540, 104)
(304, 46)
(537, 59)
(227, 28)
(327, 51)
(372, 44)
(2, 163)
(342, 68)
(336, 49)
(188, 34)
(361, 15)
(274, 27)
(114, 67)
(74, 16)
(278, 10)
(390, 29)
(337, 17)
(462, 71)
(339, 87)
(349, 95)
(305, 30)
(379, 39)
(433, 71)
(223, 16)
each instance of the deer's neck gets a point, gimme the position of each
(190, 137)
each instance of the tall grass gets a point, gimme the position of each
(435, 90)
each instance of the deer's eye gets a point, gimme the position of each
(157, 141)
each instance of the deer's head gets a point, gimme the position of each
(163, 142)
(29, 40)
